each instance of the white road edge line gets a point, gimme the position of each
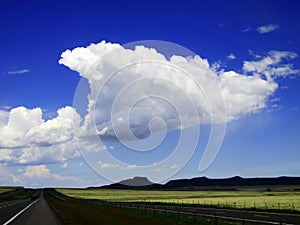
(15, 216)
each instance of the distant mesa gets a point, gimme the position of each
(143, 183)
(136, 181)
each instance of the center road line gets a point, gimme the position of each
(15, 216)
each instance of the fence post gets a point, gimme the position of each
(195, 216)
(178, 215)
(165, 211)
(216, 220)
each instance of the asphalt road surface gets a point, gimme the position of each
(38, 213)
(8, 210)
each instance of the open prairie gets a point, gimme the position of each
(277, 200)
(6, 189)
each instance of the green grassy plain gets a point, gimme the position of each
(6, 189)
(14, 194)
(84, 212)
(248, 199)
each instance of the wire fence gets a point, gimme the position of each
(179, 208)
(262, 205)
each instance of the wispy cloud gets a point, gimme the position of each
(246, 30)
(267, 28)
(231, 56)
(271, 66)
(7, 107)
(65, 165)
(221, 25)
(14, 72)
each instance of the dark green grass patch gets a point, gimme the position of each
(16, 195)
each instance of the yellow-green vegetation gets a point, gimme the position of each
(6, 189)
(14, 194)
(84, 212)
(279, 200)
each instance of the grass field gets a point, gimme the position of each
(14, 194)
(76, 213)
(6, 189)
(249, 199)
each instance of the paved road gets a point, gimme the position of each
(8, 210)
(38, 213)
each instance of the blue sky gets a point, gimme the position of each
(33, 35)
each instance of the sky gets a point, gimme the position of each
(96, 92)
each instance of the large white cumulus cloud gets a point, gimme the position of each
(121, 81)
(129, 90)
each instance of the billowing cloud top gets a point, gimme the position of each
(141, 84)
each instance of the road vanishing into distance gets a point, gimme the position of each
(28, 212)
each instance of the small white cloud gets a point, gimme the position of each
(267, 28)
(251, 53)
(107, 165)
(173, 166)
(41, 176)
(166, 168)
(231, 56)
(130, 167)
(246, 30)
(221, 25)
(40, 171)
(65, 165)
(14, 72)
